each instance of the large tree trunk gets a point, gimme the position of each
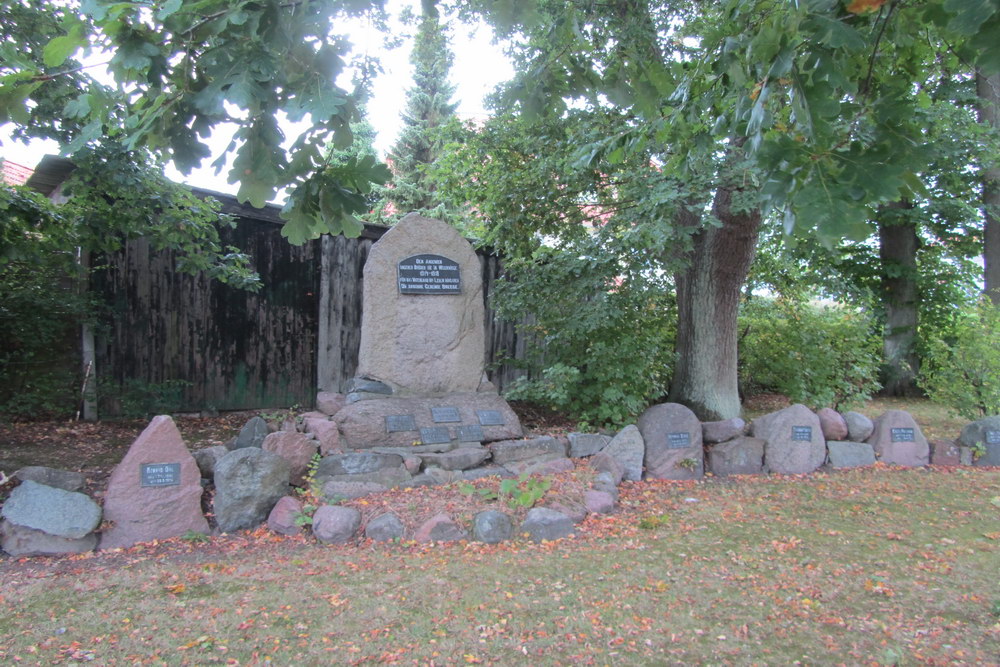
(708, 299)
(898, 244)
(988, 90)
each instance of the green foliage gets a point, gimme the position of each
(311, 493)
(688, 464)
(117, 194)
(962, 370)
(654, 521)
(41, 308)
(484, 492)
(819, 356)
(602, 349)
(595, 299)
(522, 492)
(189, 68)
(195, 537)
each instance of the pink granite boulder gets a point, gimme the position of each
(155, 492)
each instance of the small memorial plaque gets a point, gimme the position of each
(471, 433)
(445, 415)
(429, 274)
(435, 435)
(678, 440)
(902, 434)
(802, 433)
(398, 423)
(160, 474)
(993, 437)
(490, 417)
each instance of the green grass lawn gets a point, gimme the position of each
(880, 565)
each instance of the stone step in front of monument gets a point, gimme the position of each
(453, 420)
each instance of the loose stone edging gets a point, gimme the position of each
(253, 484)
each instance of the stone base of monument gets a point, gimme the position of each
(451, 419)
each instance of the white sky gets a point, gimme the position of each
(478, 67)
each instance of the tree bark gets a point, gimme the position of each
(708, 299)
(988, 91)
(898, 245)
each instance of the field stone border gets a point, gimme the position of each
(491, 526)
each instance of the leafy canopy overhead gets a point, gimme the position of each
(820, 92)
(184, 69)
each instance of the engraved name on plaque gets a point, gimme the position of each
(429, 274)
(902, 434)
(490, 417)
(802, 433)
(435, 435)
(470, 433)
(399, 423)
(445, 414)
(681, 440)
(993, 437)
(160, 474)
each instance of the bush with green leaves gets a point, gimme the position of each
(816, 355)
(962, 369)
(603, 338)
(41, 308)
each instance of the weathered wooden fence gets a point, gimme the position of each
(241, 350)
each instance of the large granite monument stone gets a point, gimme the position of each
(420, 377)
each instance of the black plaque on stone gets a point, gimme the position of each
(435, 435)
(398, 423)
(802, 433)
(160, 474)
(429, 274)
(993, 437)
(680, 440)
(444, 415)
(470, 433)
(902, 434)
(490, 417)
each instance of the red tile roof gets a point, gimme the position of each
(12, 173)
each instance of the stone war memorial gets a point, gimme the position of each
(421, 412)
(421, 368)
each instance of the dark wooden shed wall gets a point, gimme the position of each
(241, 350)
(237, 349)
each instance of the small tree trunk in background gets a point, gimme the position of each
(988, 91)
(898, 244)
(708, 300)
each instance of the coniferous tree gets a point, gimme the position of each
(428, 109)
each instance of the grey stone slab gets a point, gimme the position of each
(586, 444)
(847, 454)
(362, 424)
(385, 528)
(628, 449)
(59, 479)
(53, 511)
(721, 431)
(20, 541)
(507, 451)
(492, 527)
(985, 433)
(355, 463)
(741, 456)
(543, 523)
(248, 483)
